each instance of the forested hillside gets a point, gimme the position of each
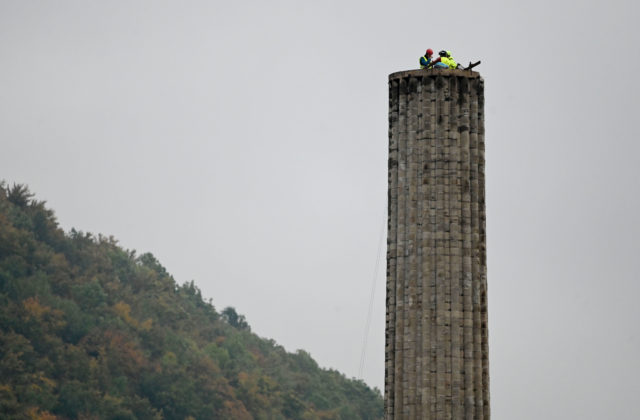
(89, 330)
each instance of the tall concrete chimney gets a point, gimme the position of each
(437, 358)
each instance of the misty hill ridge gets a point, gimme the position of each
(89, 331)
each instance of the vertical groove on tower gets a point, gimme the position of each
(412, 107)
(454, 246)
(467, 267)
(483, 253)
(400, 227)
(418, 246)
(441, 304)
(477, 316)
(446, 251)
(392, 241)
(428, 393)
(436, 343)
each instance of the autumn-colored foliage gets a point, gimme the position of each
(91, 331)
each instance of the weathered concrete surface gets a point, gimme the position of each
(437, 362)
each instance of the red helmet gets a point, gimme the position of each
(429, 52)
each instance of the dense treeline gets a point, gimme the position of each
(89, 330)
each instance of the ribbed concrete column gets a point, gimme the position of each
(437, 361)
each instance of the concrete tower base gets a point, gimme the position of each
(437, 364)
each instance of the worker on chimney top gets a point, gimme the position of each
(446, 59)
(425, 60)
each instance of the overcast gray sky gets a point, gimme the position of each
(244, 144)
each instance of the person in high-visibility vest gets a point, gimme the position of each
(446, 59)
(425, 60)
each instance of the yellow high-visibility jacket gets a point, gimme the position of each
(449, 61)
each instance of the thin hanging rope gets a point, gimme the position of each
(371, 296)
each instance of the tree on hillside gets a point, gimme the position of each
(230, 315)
